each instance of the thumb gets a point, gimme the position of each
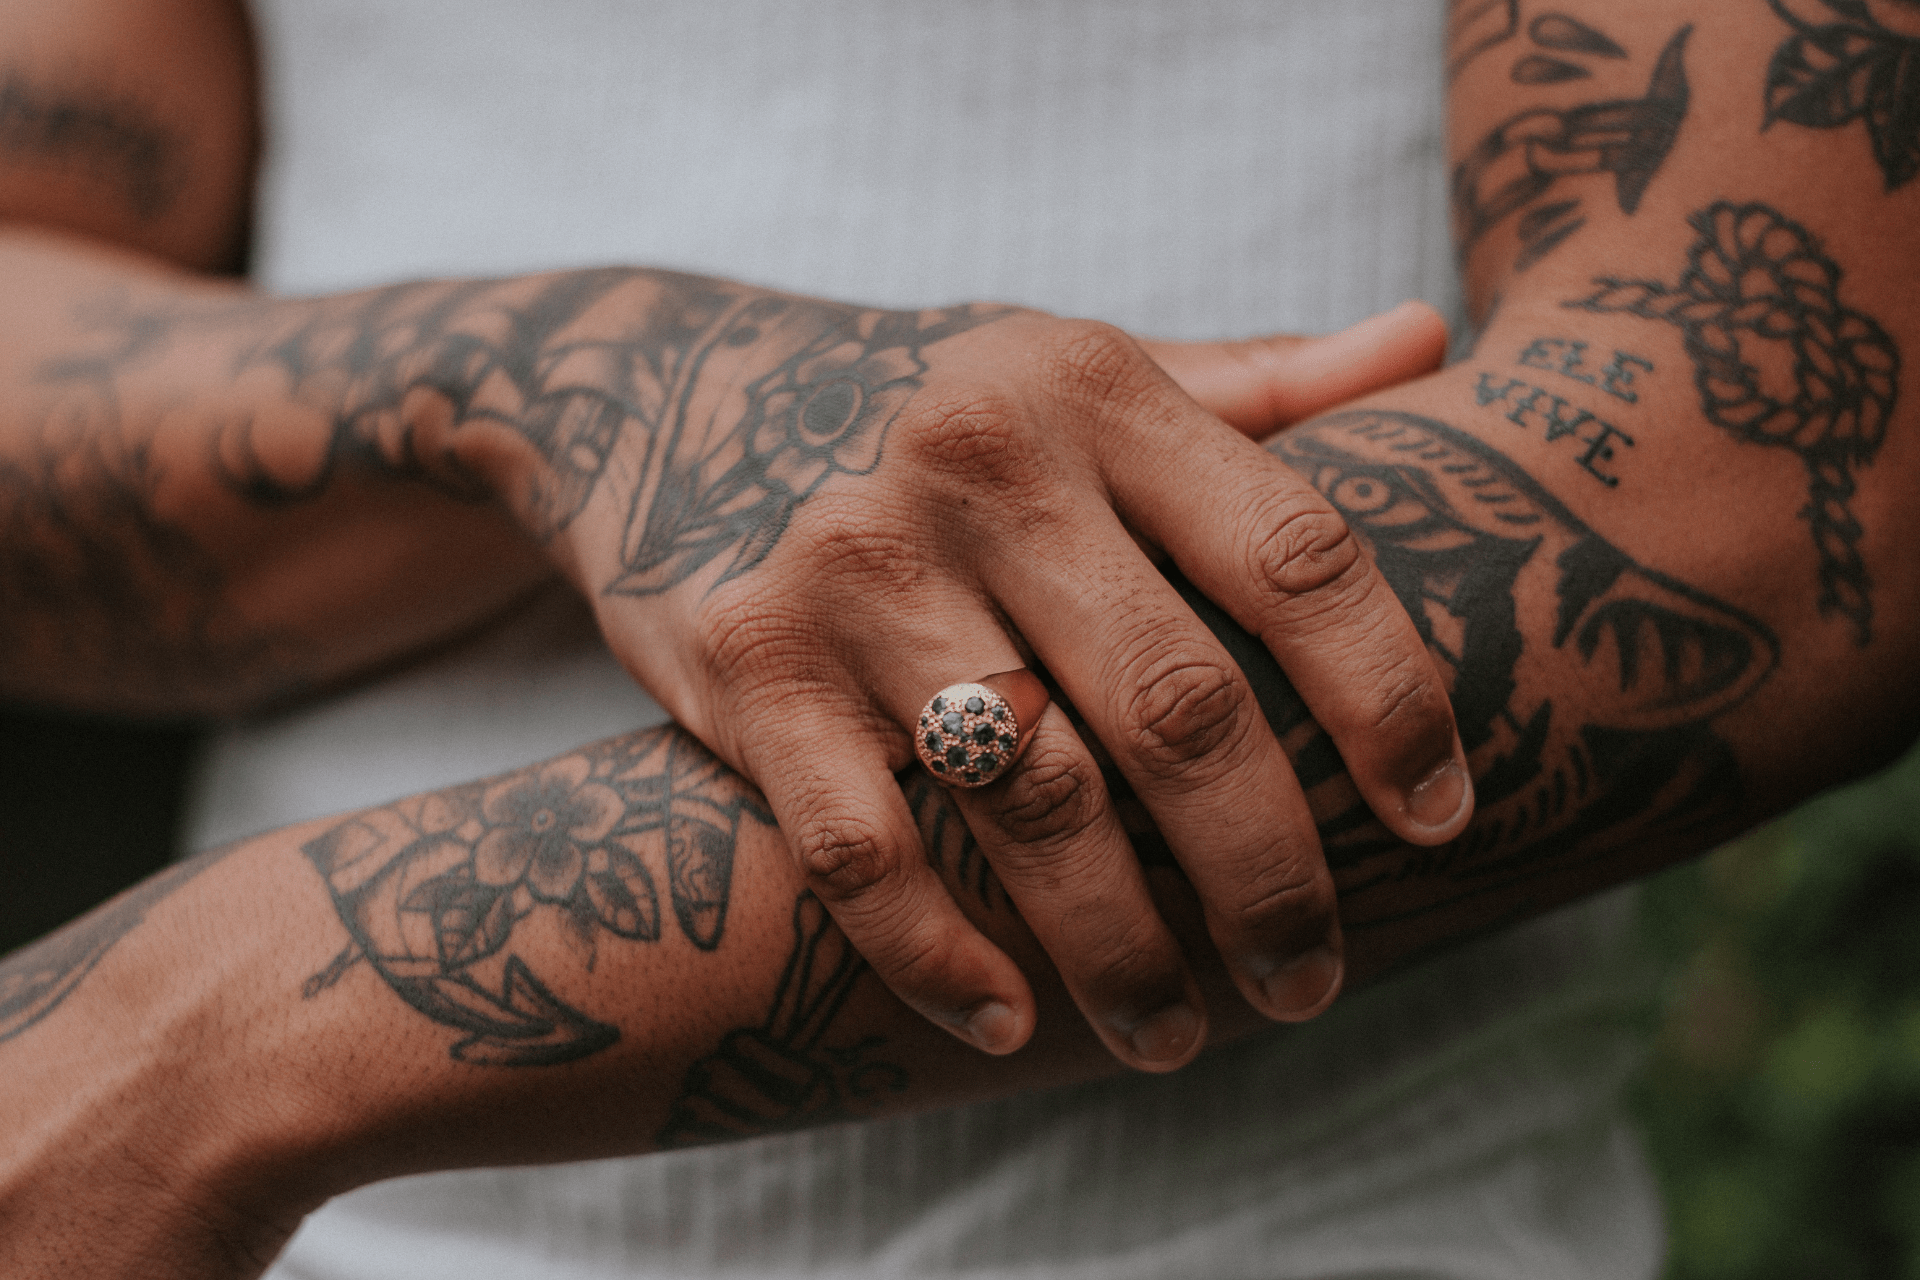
(1259, 385)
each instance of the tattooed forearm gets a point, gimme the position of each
(728, 406)
(1585, 685)
(113, 144)
(93, 572)
(1526, 156)
(1847, 61)
(433, 890)
(1780, 360)
(36, 979)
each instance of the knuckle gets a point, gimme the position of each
(1053, 796)
(1184, 713)
(920, 959)
(746, 637)
(1411, 700)
(1303, 551)
(978, 435)
(1283, 893)
(843, 859)
(1091, 361)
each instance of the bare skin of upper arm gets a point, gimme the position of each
(130, 121)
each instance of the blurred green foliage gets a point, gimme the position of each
(1782, 1104)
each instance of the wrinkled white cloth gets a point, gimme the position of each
(1186, 168)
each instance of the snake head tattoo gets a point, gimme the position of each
(1584, 684)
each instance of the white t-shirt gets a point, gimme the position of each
(1185, 168)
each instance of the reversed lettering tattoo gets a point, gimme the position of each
(114, 144)
(37, 978)
(1527, 155)
(725, 406)
(1584, 685)
(1568, 358)
(781, 1074)
(433, 890)
(1851, 60)
(97, 580)
(1779, 360)
(1558, 419)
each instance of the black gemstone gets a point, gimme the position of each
(986, 761)
(939, 705)
(938, 766)
(975, 705)
(953, 722)
(973, 775)
(983, 735)
(934, 743)
(957, 756)
(923, 722)
(999, 713)
(1006, 743)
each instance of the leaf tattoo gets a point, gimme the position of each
(1858, 61)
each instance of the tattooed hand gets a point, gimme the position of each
(798, 520)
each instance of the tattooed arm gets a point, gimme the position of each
(1657, 523)
(604, 953)
(796, 520)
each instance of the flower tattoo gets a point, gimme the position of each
(433, 889)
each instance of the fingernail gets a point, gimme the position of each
(1436, 800)
(992, 1026)
(1168, 1035)
(1304, 985)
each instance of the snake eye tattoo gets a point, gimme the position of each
(433, 890)
(1780, 360)
(1851, 60)
(1526, 156)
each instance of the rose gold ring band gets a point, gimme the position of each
(970, 733)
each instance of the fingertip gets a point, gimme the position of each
(1302, 987)
(1164, 1040)
(996, 1027)
(1438, 807)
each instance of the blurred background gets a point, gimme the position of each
(1781, 1102)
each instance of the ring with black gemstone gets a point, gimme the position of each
(970, 733)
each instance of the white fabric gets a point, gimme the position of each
(1183, 167)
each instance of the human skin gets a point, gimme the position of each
(1649, 645)
(796, 520)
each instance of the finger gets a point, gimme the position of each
(1259, 385)
(1287, 568)
(824, 767)
(1183, 727)
(1058, 848)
